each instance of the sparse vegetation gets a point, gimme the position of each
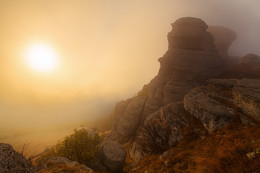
(229, 150)
(81, 146)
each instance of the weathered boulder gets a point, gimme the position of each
(163, 129)
(225, 101)
(62, 164)
(250, 59)
(208, 107)
(11, 161)
(246, 96)
(224, 37)
(113, 156)
(191, 58)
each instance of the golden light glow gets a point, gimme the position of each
(41, 57)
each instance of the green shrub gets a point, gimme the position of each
(81, 146)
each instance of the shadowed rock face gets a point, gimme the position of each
(111, 158)
(11, 161)
(188, 33)
(191, 59)
(164, 129)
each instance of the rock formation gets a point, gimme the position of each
(250, 59)
(221, 103)
(111, 158)
(11, 161)
(191, 59)
(225, 101)
(224, 37)
(163, 129)
(184, 101)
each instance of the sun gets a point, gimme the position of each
(41, 57)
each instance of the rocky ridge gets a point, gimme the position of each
(184, 101)
(191, 58)
(220, 103)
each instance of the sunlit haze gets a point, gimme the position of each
(41, 57)
(70, 61)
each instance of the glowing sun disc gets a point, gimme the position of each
(41, 57)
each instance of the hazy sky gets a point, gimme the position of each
(108, 50)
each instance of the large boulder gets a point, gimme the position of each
(62, 164)
(250, 59)
(113, 156)
(13, 162)
(224, 102)
(191, 58)
(246, 96)
(164, 129)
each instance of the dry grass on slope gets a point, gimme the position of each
(232, 150)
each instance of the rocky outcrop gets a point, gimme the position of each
(191, 59)
(111, 158)
(163, 129)
(183, 101)
(220, 103)
(225, 101)
(246, 96)
(128, 114)
(250, 59)
(11, 161)
(62, 164)
(224, 37)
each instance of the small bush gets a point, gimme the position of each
(81, 146)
